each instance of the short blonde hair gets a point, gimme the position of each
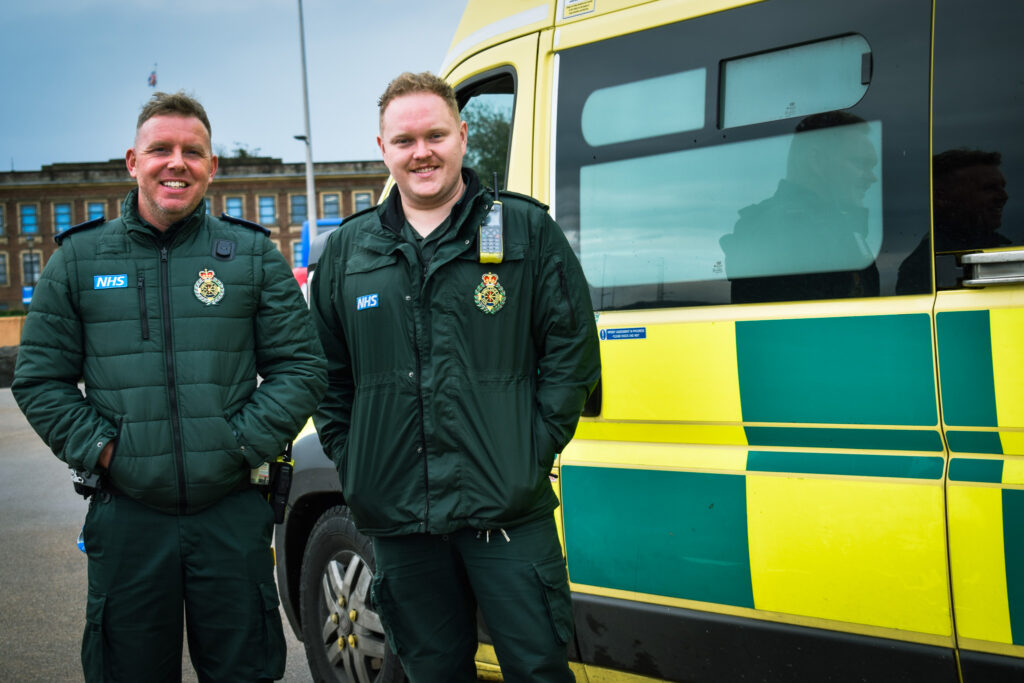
(410, 83)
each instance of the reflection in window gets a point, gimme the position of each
(797, 81)
(96, 210)
(804, 203)
(331, 206)
(645, 109)
(61, 216)
(233, 206)
(487, 111)
(268, 210)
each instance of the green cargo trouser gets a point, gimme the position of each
(148, 569)
(427, 588)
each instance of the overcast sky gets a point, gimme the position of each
(74, 72)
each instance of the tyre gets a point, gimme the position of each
(343, 636)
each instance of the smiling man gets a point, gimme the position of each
(168, 315)
(461, 346)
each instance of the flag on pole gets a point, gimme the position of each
(152, 77)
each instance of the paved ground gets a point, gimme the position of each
(43, 574)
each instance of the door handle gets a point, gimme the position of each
(993, 268)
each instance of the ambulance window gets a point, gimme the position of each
(978, 104)
(790, 202)
(795, 82)
(645, 108)
(486, 106)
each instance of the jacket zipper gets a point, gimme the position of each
(419, 396)
(172, 390)
(565, 293)
(143, 313)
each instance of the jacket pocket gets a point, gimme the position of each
(555, 582)
(563, 280)
(382, 603)
(273, 649)
(93, 642)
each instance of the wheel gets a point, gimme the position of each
(343, 637)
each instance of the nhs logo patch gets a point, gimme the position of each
(367, 301)
(109, 281)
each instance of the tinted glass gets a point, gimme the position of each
(797, 81)
(790, 206)
(645, 108)
(979, 111)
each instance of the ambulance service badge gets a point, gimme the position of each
(489, 296)
(208, 289)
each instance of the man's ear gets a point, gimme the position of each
(129, 160)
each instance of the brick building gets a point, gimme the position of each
(36, 205)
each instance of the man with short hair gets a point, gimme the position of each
(168, 315)
(461, 346)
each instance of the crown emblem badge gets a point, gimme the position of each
(489, 295)
(208, 289)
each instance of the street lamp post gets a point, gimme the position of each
(307, 138)
(29, 273)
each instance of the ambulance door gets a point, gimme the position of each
(762, 493)
(978, 185)
(495, 89)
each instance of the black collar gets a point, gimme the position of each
(393, 217)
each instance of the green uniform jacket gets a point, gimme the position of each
(169, 333)
(440, 415)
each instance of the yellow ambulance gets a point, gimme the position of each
(801, 228)
(800, 225)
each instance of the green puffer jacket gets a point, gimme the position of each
(440, 415)
(171, 376)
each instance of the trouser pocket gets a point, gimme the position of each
(555, 581)
(381, 602)
(273, 633)
(93, 642)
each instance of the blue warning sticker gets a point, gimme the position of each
(624, 333)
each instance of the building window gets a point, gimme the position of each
(331, 206)
(206, 203)
(363, 200)
(61, 216)
(297, 261)
(96, 210)
(29, 216)
(3, 270)
(3, 212)
(298, 208)
(233, 206)
(268, 211)
(31, 266)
